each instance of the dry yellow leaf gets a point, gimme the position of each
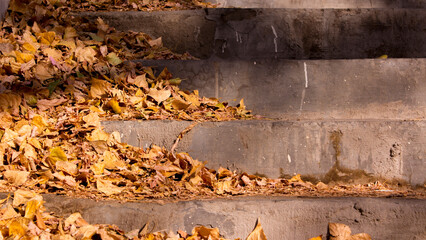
(39, 122)
(98, 168)
(53, 53)
(68, 180)
(35, 143)
(66, 166)
(296, 178)
(29, 151)
(92, 119)
(18, 227)
(29, 47)
(9, 136)
(257, 233)
(9, 212)
(112, 162)
(32, 206)
(22, 197)
(339, 231)
(159, 95)
(223, 187)
(16, 177)
(46, 37)
(57, 154)
(193, 99)
(86, 232)
(70, 33)
(206, 233)
(99, 88)
(85, 54)
(23, 57)
(179, 104)
(361, 236)
(113, 104)
(98, 135)
(316, 238)
(106, 186)
(139, 81)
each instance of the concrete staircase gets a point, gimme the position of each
(334, 112)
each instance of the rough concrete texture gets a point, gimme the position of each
(281, 218)
(328, 89)
(4, 4)
(362, 150)
(282, 33)
(321, 3)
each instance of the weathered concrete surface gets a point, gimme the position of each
(329, 89)
(394, 150)
(281, 218)
(4, 4)
(282, 33)
(321, 3)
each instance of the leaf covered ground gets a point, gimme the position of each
(61, 76)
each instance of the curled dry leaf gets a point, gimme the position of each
(339, 231)
(16, 177)
(257, 233)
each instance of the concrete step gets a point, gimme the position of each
(312, 89)
(349, 151)
(281, 217)
(337, 4)
(282, 33)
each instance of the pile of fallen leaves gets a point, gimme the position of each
(24, 217)
(59, 79)
(135, 5)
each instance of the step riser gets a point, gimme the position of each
(282, 33)
(281, 218)
(329, 89)
(320, 3)
(389, 149)
(3, 7)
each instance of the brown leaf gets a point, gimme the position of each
(16, 177)
(106, 186)
(339, 231)
(156, 42)
(85, 54)
(22, 197)
(92, 119)
(206, 233)
(139, 81)
(361, 236)
(257, 233)
(66, 166)
(99, 88)
(45, 104)
(10, 102)
(159, 95)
